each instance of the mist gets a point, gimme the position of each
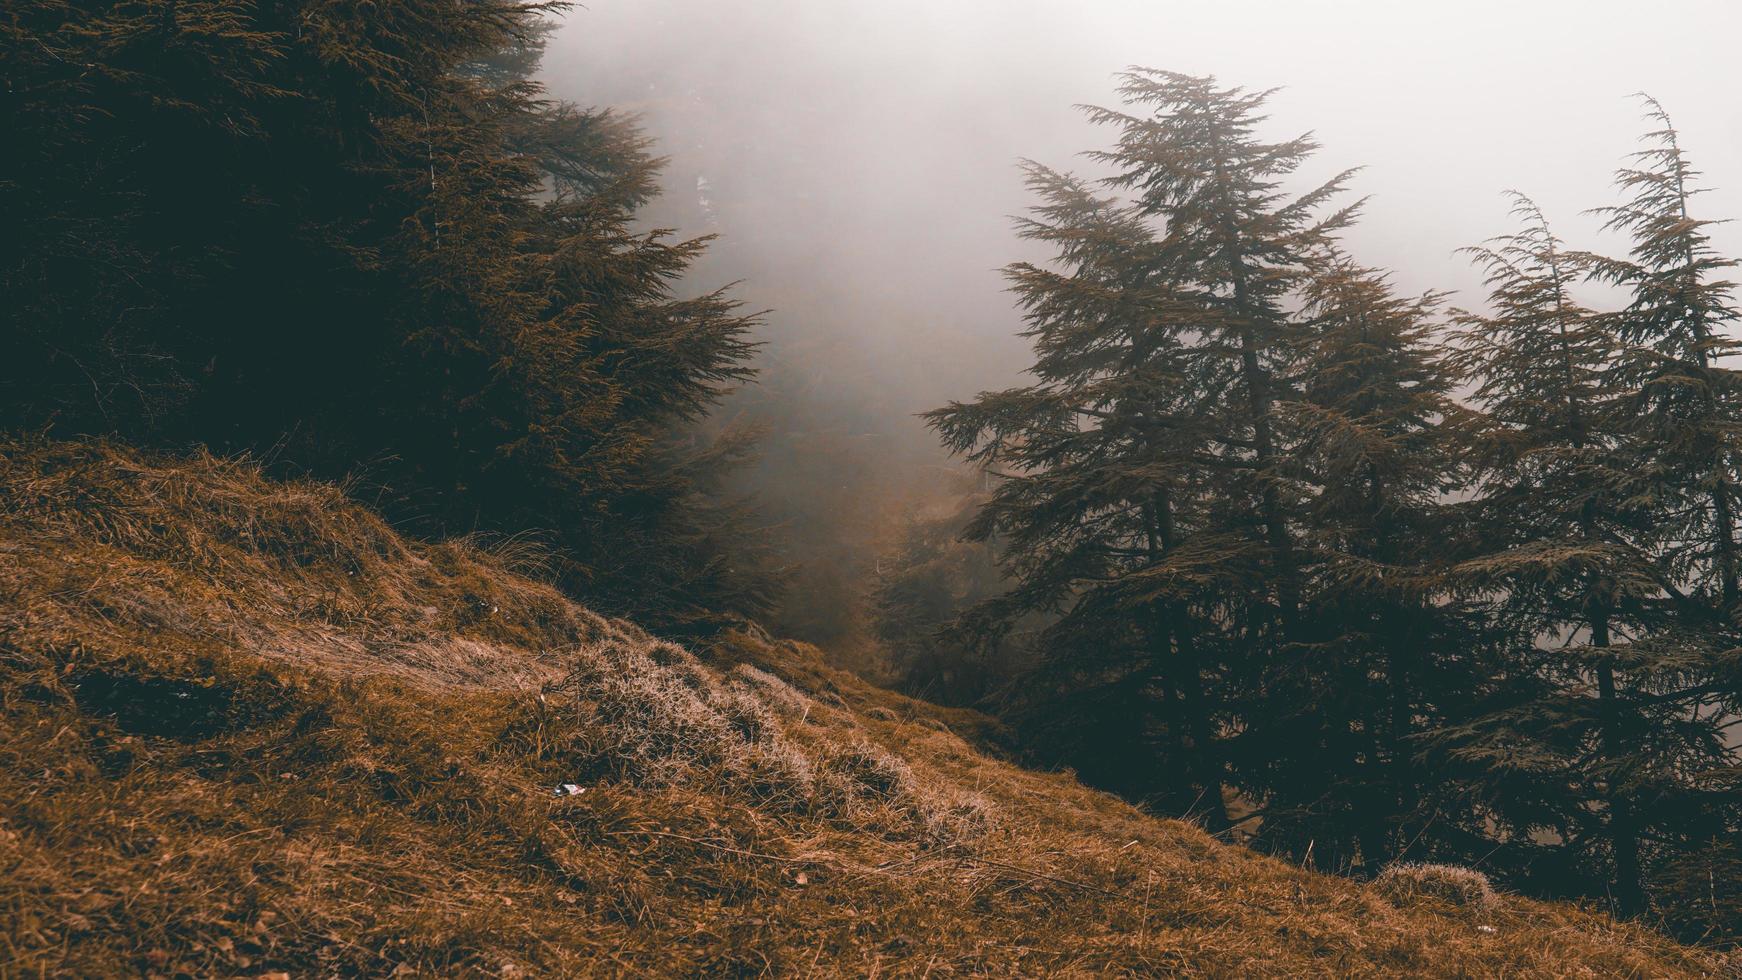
(859, 165)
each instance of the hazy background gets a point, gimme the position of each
(858, 160)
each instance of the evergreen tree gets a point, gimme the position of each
(1239, 246)
(1370, 433)
(1144, 499)
(1081, 469)
(919, 587)
(1686, 406)
(1571, 565)
(1275, 554)
(1681, 405)
(359, 235)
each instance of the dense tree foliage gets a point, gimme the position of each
(1372, 437)
(1355, 586)
(1605, 462)
(357, 235)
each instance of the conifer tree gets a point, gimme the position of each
(1241, 244)
(919, 586)
(1571, 564)
(1087, 459)
(1686, 408)
(1367, 433)
(1681, 406)
(1145, 498)
(362, 237)
(1275, 554)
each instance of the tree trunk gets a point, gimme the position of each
(1402, 768)
(1186, 675)
(1259, 404)
(1723, 518)
(1397, 632)
(1623, 834)
(1206, 760)
(1275, 530)
(1726, 542)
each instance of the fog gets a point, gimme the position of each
(858, 159)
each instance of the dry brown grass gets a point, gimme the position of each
(248, 728)
(1410, 884)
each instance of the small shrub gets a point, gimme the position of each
(954, 818)
(779, 695)
(875, 772)
(1405, 884)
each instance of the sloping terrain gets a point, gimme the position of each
(248, 729)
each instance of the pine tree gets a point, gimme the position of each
(1080, 470)
(1571, 563)
(1368, 432)
(362, 237)
(1144, 499)
(1240, 242)
(918, 588)
(1687, 405)
(1681, 407)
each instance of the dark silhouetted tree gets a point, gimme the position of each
(1144, 499)
(359, 235)
(1372, 432)
(1681, 404)
(1571, 563)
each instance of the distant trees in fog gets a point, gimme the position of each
(1397, 581)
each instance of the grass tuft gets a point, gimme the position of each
(1408, 884)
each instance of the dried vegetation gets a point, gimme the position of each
(249, 729)
(1409, 884)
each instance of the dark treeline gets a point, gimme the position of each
(357, 238)
(1359, 578)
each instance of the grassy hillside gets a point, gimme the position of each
(248, 729)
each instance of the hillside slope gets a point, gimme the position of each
(248, 729)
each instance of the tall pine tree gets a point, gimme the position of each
(1092, 462)
(1146, 497)
(1681, 403)
(1571, 564)
(1370, 432)
(1686, 404)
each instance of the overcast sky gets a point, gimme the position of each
(858, 156)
